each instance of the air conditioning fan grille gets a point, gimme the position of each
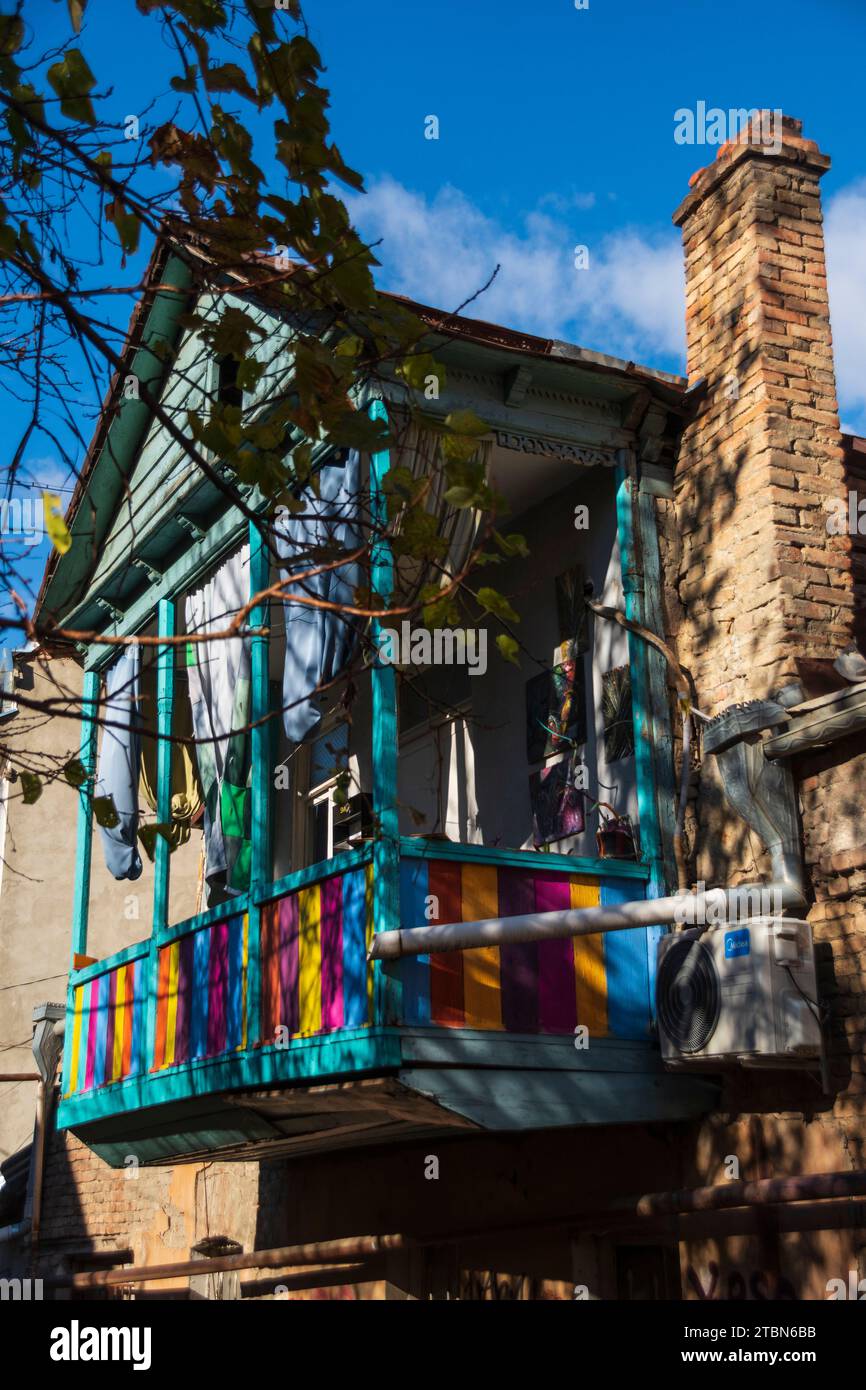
(688, 997)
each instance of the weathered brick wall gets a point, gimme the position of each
(753, 581)
(754, 578)
(158, 1213)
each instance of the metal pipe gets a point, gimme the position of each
(325, 1277)
(808, 1186)
(288, 1256)
(728, 1202)
(716, 904)
(38, 1162)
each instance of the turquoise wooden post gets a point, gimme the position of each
(386, 847)
(657, 679)
(83, 846)
(632, 585)
(642, 713)
(84, 842)
(164, 703)
(262, 770)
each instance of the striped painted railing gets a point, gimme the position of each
(293, 965)
(602, 982)
(107, 1026)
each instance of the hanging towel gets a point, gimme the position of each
(220, 698)
(119, 762)
(185, 791)
(319, 642)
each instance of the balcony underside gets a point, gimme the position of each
(404, 1084)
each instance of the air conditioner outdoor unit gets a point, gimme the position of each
(742, 994)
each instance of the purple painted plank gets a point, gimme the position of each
(109, 1032)
(91, 1034)
(184, 992)
(288, 953)
(217, 985)
(518, 963)
(332, 953)
(557, 994)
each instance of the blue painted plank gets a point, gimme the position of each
(414, 970)
(101, 1030)
(234, 1006)
(139, 1006)
(354, 948)
(198, 1014)
(625, 955)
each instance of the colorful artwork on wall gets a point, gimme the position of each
(616, 710)
(557, 804)
(555, 710)
(571, 610)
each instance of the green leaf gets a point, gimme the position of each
(11, 34)
(509, 648)
(494, 602)
(512, 544)
(460, 496)
(55, 524)
(103, 810)
(229, 78)
(126, 224)
(417, 369)
(31, 787)
(75, 773)
(73, 82)
(148, 834)
(466, 422)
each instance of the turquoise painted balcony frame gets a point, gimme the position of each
(123, 1039)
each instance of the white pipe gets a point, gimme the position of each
(717, 904)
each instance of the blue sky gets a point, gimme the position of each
(556, 129)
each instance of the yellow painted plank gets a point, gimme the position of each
(482, 995)
(590, 976)
(78, 1008)
(119, 1016)
(171, 1016)
(310, 959)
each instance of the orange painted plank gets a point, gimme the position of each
(482, 998)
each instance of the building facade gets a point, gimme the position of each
(242, 1070)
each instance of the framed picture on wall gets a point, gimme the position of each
(616, 708)
(571, 610)
(557, 804)
(555, 710)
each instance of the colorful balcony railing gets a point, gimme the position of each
(601, 982)
(256, 980)
(107, 1026)
(201, 1001)
(315, 977)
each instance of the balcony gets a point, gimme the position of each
(259, 1025)
(208, 1038)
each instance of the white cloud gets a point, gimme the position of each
(844, 224)
(46, 472)
(629, 302)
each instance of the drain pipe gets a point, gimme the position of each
(761, 792)
(50, 1024)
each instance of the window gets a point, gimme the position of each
(335, 816)
(228, 391)
(436, 771)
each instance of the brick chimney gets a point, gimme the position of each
(759, 580)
